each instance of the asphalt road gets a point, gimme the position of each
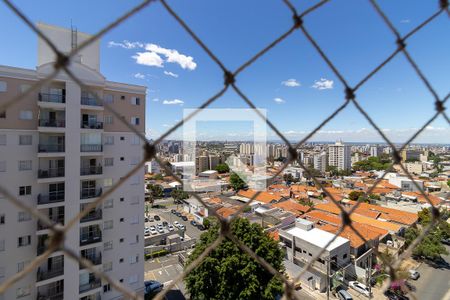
(434, 283)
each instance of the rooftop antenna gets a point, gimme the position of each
(74, 34)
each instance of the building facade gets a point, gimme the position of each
(339, 156)
(60, 149)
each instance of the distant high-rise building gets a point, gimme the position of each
(214, 160)
(376, 151)
(339, 156)
(201, 163)
(321, 162)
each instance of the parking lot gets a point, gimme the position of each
(164, 270)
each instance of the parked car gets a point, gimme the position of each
(160, 230)
(441, 263)
(359, 287)
(152, 227)
(152, 287)
(446, 241)
(200, 227)
(174, 211)
(151, 219)
(147, 231)
(178, 214)
(182, 227)
(411, 287)
(176, 224)
(193, 223)
(146, 219)
(157, 218)
(344, 295)
(159, 225)
(170, 227)
(153, 231)
(164, 223)
(184, 218)
(413, 274)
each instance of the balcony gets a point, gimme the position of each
(87, 239)
(93, 215)
(95, 259)
(47, 274)
(41, 244)
(91, 101)
(91, 125)
(50, 198)
(90, 193)
(57, 295)
(51, 173)
(42, 226)
(93, 170)
(53, 98)
(51, 148)
(52, 123)
(93, 284)
(91, 148)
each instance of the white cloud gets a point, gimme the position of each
(323, 84)
(173, 56)
(149, 59)
(405, 21)
(171, 74)
(173, 102)
(155, 99)
(126, 44)
(279, 100)
(291, 82)
(139, 76)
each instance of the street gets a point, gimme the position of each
(434, 283)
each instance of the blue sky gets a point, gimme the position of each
(350, 32)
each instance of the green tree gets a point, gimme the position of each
(156, 191)
(430, 246)
(288, 177)
(448, 183)
(354, 195)
(236, 182)
(157, 177)
(178, 195)
(374, 196)
(222, 168)
(229, 273)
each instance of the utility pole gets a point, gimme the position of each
(328, 278)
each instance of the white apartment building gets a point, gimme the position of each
(339, 156)
(376, 151)
(320, 162)
(60, 149)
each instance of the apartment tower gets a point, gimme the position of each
(339, 156)
(61, 149)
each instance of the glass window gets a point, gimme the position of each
(108, 98)
(107, 182)
(108, 119)
(24, 165)
(26, 115)
(3, 86)
(2, 139)
(109, 140)
(25, 139)
(23, 216)
(24, 190)
(109, 161)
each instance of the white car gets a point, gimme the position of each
(170, 227)
(151, 219)
(160, 230)
(359, 287)
(153, 231)
(413, 274)
(152, 227)
(182, 227)
(176, 224)
(147, 231)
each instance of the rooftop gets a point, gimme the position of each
(318, 237)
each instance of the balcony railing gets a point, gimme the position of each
(90, 101)
(55, 98)
(51, 148)
(41, 225)
(59, 295)
(93, 170)
(47, 274)
(50, 198)
(41, 247)
(90, 193)
(52, 123)
(91, 148)
(90, 238)
(94, 259)
(92, 125)
(92, 216)
(50, 173)
(96, 283)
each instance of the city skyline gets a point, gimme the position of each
(291, 82)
